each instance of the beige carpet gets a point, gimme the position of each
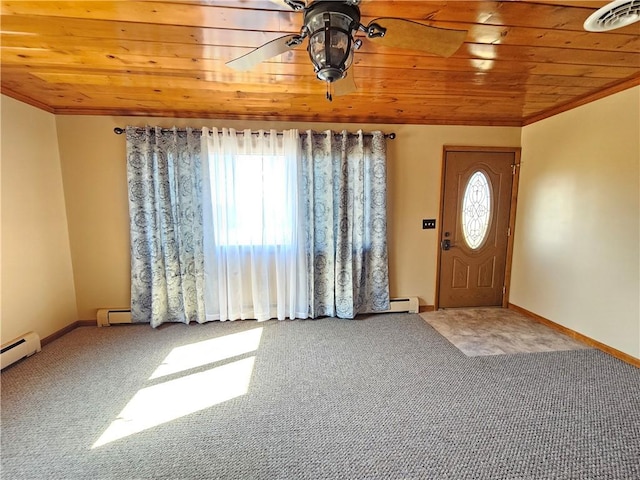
(497, 331)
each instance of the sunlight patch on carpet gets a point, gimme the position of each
(209, 351)
(162, 403)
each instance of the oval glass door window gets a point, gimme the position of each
(476, 210)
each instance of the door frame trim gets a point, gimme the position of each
(512, 213)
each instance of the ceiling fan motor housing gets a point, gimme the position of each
(330, 26)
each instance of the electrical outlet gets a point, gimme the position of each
(429, 223)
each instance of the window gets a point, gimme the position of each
(476, 210)
(253, 206)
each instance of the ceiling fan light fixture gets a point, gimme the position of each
(331, 27)
(616, 14)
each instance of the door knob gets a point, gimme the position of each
(446, 244)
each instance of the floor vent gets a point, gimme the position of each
(20, 348)
(113, 316)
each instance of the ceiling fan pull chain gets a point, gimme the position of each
(329, 96)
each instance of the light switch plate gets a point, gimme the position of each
(429, 223)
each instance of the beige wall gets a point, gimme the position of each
(37, 283)
(576, 258)
(93, 165)
(577, 241)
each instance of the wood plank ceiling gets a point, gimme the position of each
(521, 61)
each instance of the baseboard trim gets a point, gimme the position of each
(426, 308)
(625, 357)
(63, 331)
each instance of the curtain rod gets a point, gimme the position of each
(120, 131)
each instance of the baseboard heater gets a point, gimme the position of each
(20, 348)
(116, 316)
(405, 304)
(113, 316)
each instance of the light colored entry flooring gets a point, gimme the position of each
(497, 331)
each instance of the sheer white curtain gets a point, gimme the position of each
(254, 246)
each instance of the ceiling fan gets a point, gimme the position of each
(331, 26)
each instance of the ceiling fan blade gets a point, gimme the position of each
(260, 54)
(416, 36)
(344, 86)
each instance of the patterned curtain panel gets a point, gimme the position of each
(344, 189)
(167, 270)
(255, 261)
